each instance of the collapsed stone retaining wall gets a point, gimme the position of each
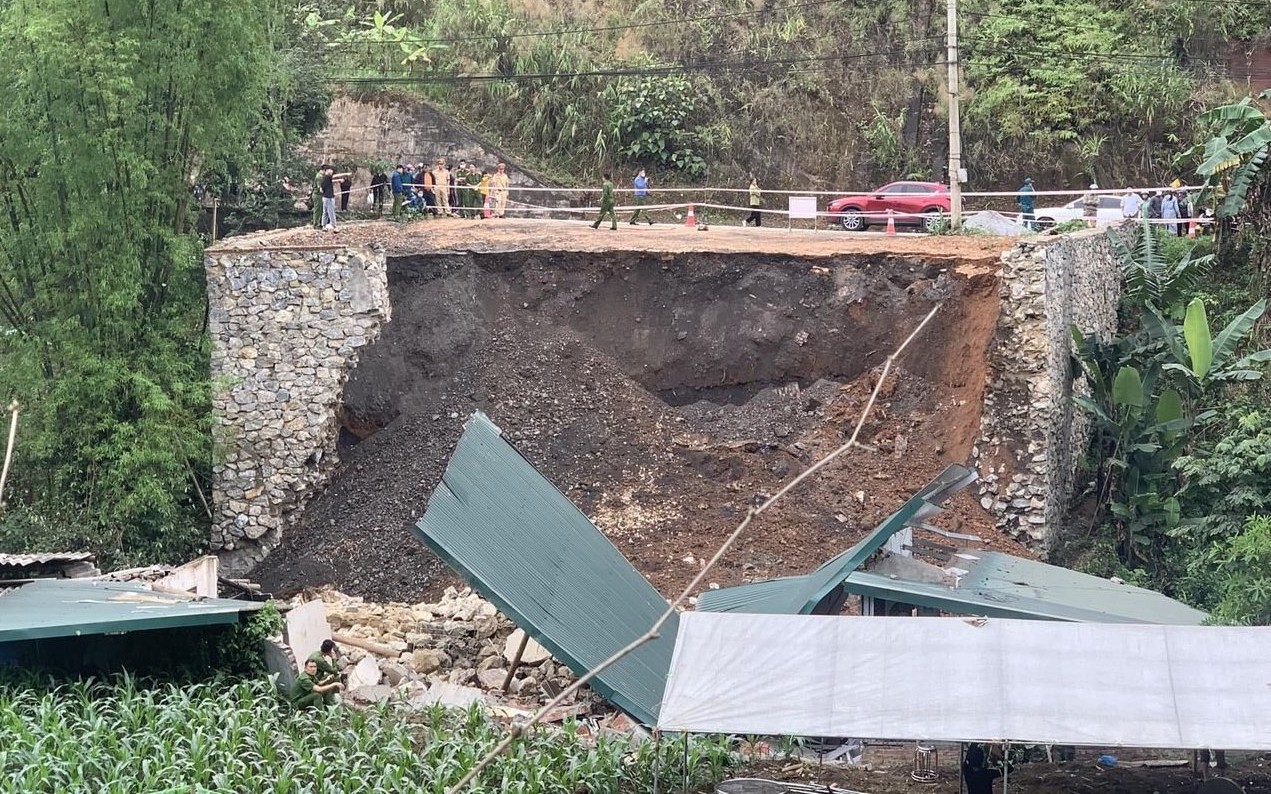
(286, 328)
(1032, 438)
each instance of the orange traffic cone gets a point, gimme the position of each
(486, 209)
(690, 220)
(891, 223)
(1191, 229)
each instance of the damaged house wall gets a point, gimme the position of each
(286, 328)
(1032, 436)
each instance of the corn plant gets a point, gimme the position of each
(129, 735)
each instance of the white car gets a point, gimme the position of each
(1109, 212)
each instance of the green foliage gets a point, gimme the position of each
(651, 121)
(1164, 278)
(1227, 482)
(1246, 594)
(1074, 225)
(129, 736)
(1234, 157)
(237, 652)
(113, 111)
(1147, 395)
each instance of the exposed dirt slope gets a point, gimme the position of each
(662, 393)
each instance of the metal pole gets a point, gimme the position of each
(516, 660)
(1006, 769)
(216, 203)
(955, 122)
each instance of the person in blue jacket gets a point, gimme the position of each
(397, 185)
(640, 186)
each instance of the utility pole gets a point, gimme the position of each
(955, 122)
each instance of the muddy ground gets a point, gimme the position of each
(664, 392)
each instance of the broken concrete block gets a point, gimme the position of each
(307, 628)
(394, 673)
(492, 679)
(365, 673)
(450, 695)
(534, 653)
(378, 693)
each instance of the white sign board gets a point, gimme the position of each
(803, 207)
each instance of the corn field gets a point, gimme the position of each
(130, 736)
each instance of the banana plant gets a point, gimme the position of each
(1201, 359)
(1237, 153)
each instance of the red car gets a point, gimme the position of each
(914, 204)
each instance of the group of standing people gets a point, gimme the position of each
(1172, 206)
(462, 192)
(466, 191)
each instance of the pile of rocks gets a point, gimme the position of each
(455, 651)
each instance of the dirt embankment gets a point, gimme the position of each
(663, 393)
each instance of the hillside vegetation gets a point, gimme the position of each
(809, 92)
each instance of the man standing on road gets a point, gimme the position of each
(441, 187)
(1090, 205)
(328, 197)
(1131, 205)
(606, 205)
(315, 197)
(499, 189)
(1025, 202)
(640, 186)
(756, 201)
(398, 186)
(306, 692)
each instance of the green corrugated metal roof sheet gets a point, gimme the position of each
(801, 595)
(1001, 585)
(78, 607)
(522, 544)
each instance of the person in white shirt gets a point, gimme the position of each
(1131, 204)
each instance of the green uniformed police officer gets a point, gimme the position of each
(307, 692)
(606, 205)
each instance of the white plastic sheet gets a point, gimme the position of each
(955, 679)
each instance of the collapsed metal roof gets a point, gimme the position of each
(1004, 586)
(78, 607)
(525, 547)
(24, 560)
(988, 583)
(821, 592)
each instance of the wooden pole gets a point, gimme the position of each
(516, 660)
(8, 451)
(366, 645)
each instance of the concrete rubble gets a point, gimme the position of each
(455, 652)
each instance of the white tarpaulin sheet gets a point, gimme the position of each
(955, 679)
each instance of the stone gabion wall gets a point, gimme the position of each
(286, 328)
(1032, 437)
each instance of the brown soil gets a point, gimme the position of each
(664, 387)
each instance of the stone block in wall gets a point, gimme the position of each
(286, 327)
